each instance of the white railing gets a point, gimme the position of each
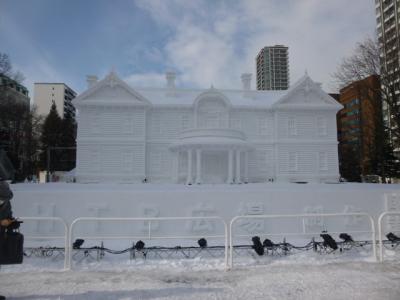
(52, 237)
(213, 132)
(380, 240)
(149, 232)
(228, 238)
(235, 219)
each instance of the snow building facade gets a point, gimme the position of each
(193, 136)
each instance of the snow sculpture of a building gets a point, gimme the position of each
(205, 136)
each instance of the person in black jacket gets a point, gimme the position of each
(5, 206)
(6, 218)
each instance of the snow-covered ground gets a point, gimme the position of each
(288, 278)
(352, 274)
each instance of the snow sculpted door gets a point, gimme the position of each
(215, 166)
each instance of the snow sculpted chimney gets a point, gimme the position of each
(246, 81)
(91, 80)
(170, 76)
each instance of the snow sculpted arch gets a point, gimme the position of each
(212, 110)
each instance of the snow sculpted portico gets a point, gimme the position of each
(195, 136)
(221, 150)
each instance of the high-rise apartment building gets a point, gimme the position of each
(60, 93)
(388, 24)
(272, 65)
(12, 90)
(388, 29)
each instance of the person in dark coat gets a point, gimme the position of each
(6, 218)
(5, 206)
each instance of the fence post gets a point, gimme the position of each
(380, 241)
(65, 236)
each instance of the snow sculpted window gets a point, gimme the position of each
(293, 161)
(323, 161)
(127, 161)
(236, 123)
(95, 158)
(262, 126)
(127, 126)
(322, 126)
(185, 121)
(95, 123)
(292, 126)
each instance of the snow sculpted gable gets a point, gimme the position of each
(306, 94)
(111, 91)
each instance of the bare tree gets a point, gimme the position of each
(365, 61)
(19, 125)
(361, 64)
(5, 65)
(7, 70)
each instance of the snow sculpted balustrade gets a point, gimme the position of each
(217, 133)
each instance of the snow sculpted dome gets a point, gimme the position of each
(193, 136)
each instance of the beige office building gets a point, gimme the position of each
(60, 93)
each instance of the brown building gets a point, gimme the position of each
(358, 124)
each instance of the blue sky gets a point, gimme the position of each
(205, 42)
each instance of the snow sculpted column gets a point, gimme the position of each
(198, 166)
(176, 166)
(237, 179)
(230, 166)
(246, 167)
(189, 174)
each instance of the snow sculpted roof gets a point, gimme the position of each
(112, 90)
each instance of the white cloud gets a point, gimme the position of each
(205, 42)
(146, 80)
(214, 42)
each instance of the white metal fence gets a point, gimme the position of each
(149, 235)
(50, 237)
(235, 219)
(380, 229)
(228, 236)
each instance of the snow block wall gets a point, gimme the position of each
(71, 201)
(176, 135)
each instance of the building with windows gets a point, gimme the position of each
(59, 93)
(16, 92)
(388, 23)
(359, 121)
(198, 136)
(272, 65)
(388, 30)
(14, 106)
